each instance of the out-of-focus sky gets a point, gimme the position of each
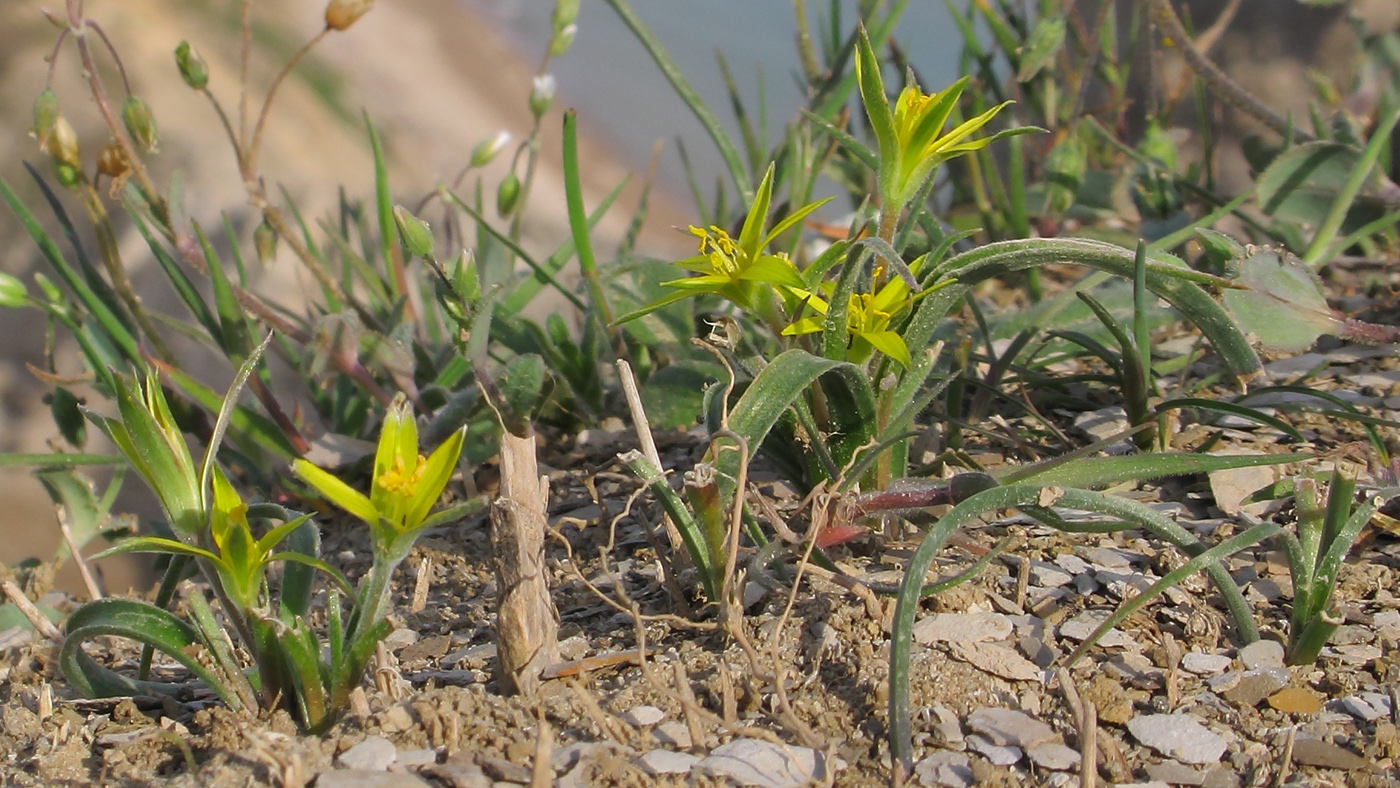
(622, 96)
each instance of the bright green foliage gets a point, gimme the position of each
(742, 270)
(911, 138)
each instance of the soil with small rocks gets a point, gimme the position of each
(1180, 700)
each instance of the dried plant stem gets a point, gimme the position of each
(421, 585)
(1222, 86)
(250, 160)
(94, 593)
(1089, 747)
(40, 622)
(78, 24)
(542, 774)
(648, 446)
(527, 624)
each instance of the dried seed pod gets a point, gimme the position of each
(111, 161)
(192, 67)
(62, 143)
(265, 241)
(140, 122)
(341, 14)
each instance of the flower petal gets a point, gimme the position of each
(439, 470)
(890, 343)
(337, 491)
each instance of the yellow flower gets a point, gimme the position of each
(868, 319)
(737, 268)
(910, 139)
(405, 484)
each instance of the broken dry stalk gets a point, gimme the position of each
(527, 624)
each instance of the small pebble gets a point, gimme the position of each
(667, 762)
(1178, 736)
(1174, 773)
(1262, 654)
(1054, 756)
(1325, 755)
(640, 716)
(1010, 727)
(374, 754)
(674, 734)
(358, 778)
(999, 755)
(1204, 664)
(944, 769)
(1295, 700)
(961, 628)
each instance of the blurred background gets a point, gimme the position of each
(439, 76)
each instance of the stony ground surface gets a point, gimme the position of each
(648, 698)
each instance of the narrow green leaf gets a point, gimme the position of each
(142, 623)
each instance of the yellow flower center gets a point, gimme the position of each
(398, 480)
(720, 248)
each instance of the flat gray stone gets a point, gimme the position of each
(1102, 424)
(944, 769)
(1001, 661)
(998, 754)
(961, 628)
(1053, 756)
(1011, 727)
(1261, 654)
(1178, 736)
(673, 733)
(1204, 664)
(1231, 486)
(1174, 773)
(666, 762)
(1326, 755)
(640, 716)
(1256, 685)
(415, 759)
(1297, 365)
(374, 754)
(359, 778)
(766, 765)
(1084, 624)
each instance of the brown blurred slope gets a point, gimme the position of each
(433, 77)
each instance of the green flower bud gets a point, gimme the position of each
(341, 14)
(507, 194)
(45, 113)
(541, 94)
(192, 67)
(140, 122)
(13, 293)
(48, 288)
(487, 150)
(265, 241)
(415, 232)
(68, 175)
(562, 39)
(565, 14)
(61, 143)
